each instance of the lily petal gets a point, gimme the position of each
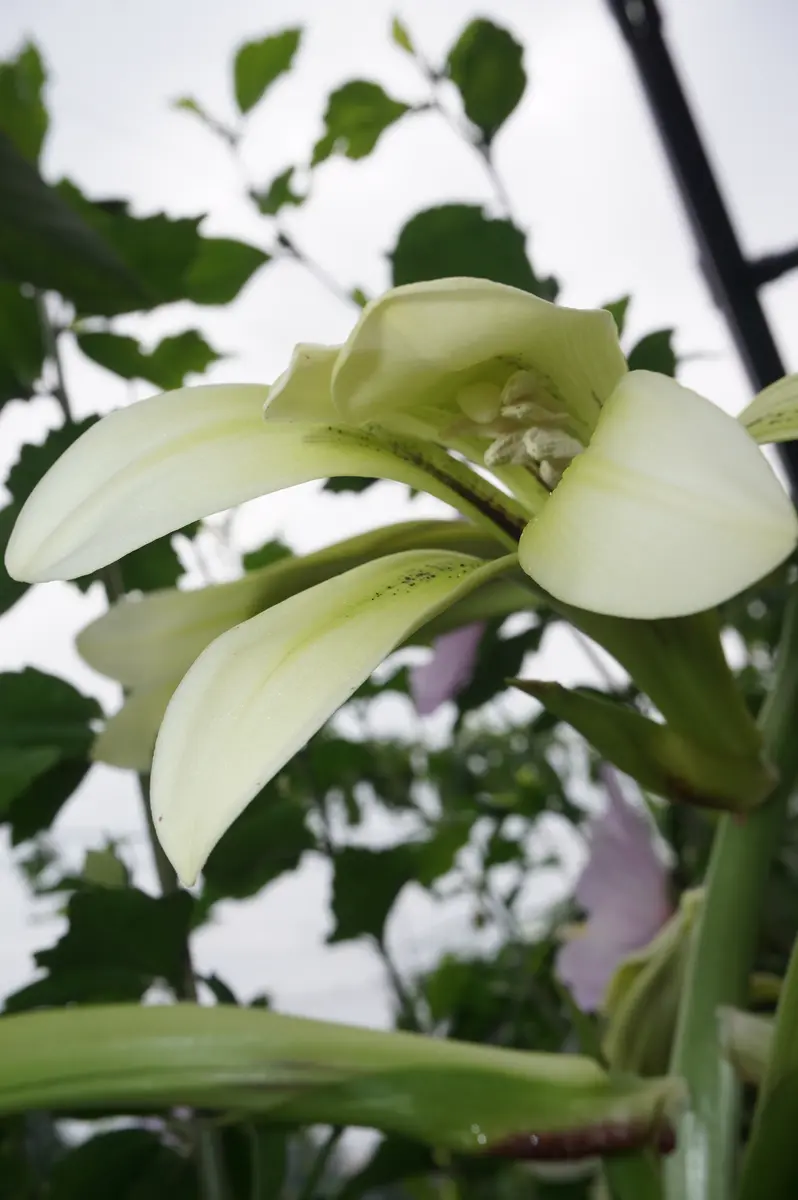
(772, 416)
(258, 693)
(149, 469)
(419, 345)
(304, 391)
(142, 640)
(128, 738)
(671, 509)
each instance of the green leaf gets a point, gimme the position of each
(619, 309)
(167, 365)
(35, 809)
(265, 555)
(458, 239)
(366, 884)
(258, 64)
(23, 116)
(11, 590)
(497, 660)
(20, 765)
(278, 194)
(220, 270)
(486, 65)
(268, 839)
(35, 461)
(395, 1161)
(654, 352)
(357, 114)
(349, 483)
(41, 710)
(128, 1164)
(119, 942)
(46, 242)
(658, 757)
(400, 36)
(22, 350)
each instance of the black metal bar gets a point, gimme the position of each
(732, 279)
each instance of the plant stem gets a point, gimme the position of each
(208, 1147)
(723, 950)
(320, 1161)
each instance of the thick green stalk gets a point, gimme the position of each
(772, 1146)
(723, 949)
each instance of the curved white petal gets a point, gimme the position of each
(149, 469)
(144, 639)
(304, 391)
(128, 738)
(422, 343)
(259, 692)
(671, 509)
(772, 416)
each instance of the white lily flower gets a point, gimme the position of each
(258, 693)
(149, 469)
(655, 503)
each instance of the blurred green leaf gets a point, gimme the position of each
(349, 483)
(258, 64)
(486, 65)
(357, 114)
(11, 590)
(45, 241)
(166, 365)
(366, 883)
(128, 1164)
(268, 839)
(220, 269)
(619, 309)
(190, 105)
(23, 116)
(654, 352)
(35, 809)
(498, 659)
(278, 194)
(22, 350)
(458, 239)
(118, 943)
(35, 460)
(401, 37)
(265, 555)
(395, 1160)
(43, 721)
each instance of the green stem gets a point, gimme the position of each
(633, 1177)
(317, 1167)
(723, 950)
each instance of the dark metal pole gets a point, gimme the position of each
(733, 280)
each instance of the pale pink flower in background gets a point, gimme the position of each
(450, 669)
(624, 892)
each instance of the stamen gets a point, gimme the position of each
(543, 444)
(480, 402)
(509, 448)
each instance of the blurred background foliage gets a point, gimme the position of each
(484, 811)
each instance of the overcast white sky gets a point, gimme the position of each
(582, 165)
